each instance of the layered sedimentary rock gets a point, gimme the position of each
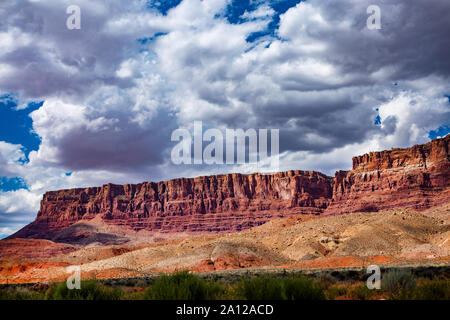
(416, 178)
(230, 202)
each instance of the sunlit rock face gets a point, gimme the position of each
(416, 178)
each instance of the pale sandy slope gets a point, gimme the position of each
(397, 235)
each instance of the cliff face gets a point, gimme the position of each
(417, 178)
(215, 203)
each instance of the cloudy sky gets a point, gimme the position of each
(96, 105)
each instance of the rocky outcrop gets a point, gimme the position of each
(416, 178)
(229, 202)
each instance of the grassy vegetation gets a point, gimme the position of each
(361, 292)
(270, 288)
(186, 286)
(399, 284)
(12, 293)
(335, 291)
(433, 290)
(90, 290)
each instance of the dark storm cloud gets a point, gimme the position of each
(412, 44)
(132, 148)
(58, 61)
(318, 78)
(412, 38)
(112, 101)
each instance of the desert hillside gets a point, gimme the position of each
(394, 237)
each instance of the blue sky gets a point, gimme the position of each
(440, 132)
(96, 105)
(15, 124)
(16, 127)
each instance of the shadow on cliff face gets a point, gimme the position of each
(85, 234)
(367, 207)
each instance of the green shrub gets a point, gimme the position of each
(433, 290)
(399, 284)
(260, 288)
(186, 286)
(297, 288)
(335, 291)
(20, 294)
(271, 288)
(326, 279)
(183, 286)
(361, 292)
(90, 290)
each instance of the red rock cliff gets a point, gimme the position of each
(215, 203)
(417, 178)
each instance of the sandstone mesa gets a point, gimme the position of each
(412, 178)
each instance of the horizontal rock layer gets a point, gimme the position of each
(416, 178)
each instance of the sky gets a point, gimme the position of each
(97, 105)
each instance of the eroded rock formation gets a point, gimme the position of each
(416, 178)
